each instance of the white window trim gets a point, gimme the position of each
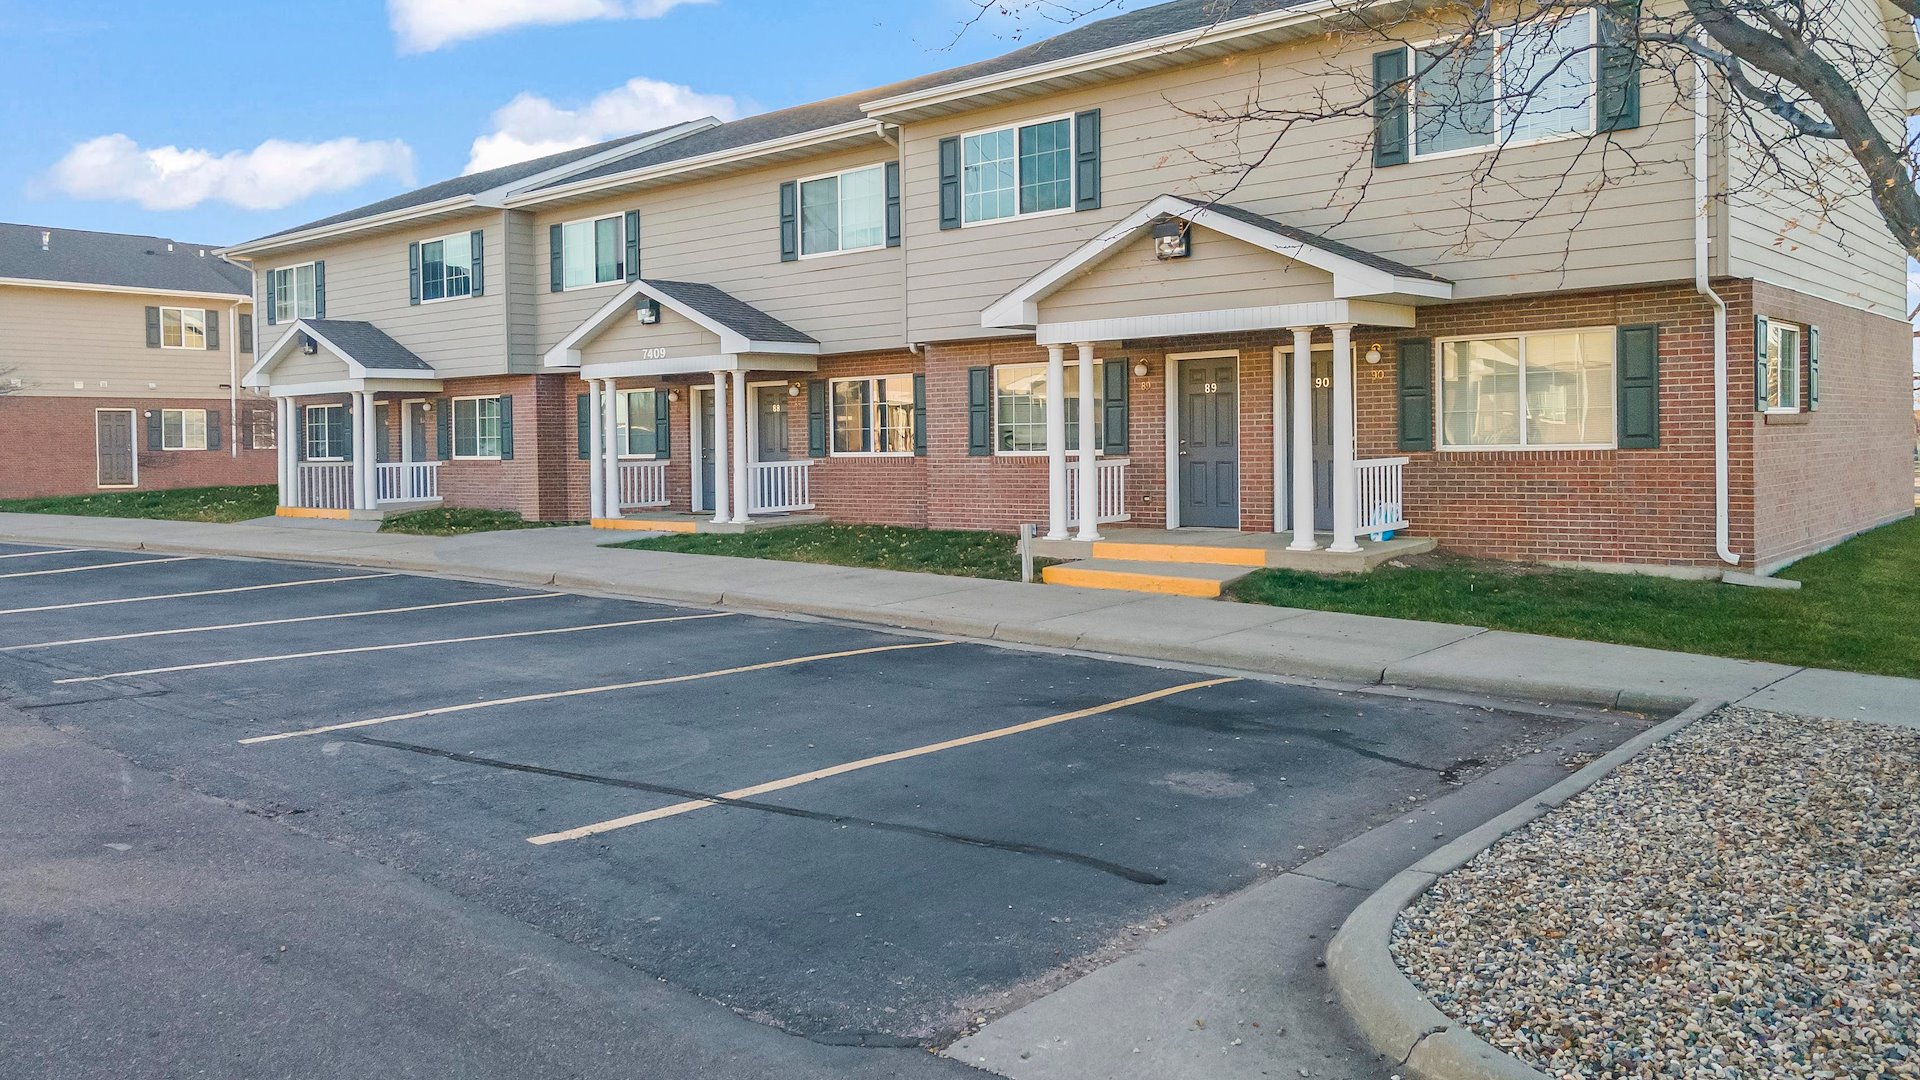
(620, 411)
(1792, 369)
(800, 218)
(619, 244)
(872, 418)
(1440, 400)
(183, 429)
(453, 426)
(183, 346)
(306, 425)
(273, 304)
(1413, 97)
(1073, 188)
(1073, 403)
(468, 295)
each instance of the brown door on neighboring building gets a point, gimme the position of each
(113, 438)
(1210, 443)
(770, 422)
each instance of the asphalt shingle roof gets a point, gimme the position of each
(368, 344)
(735, 314)
(1347, 251)
(119, 259)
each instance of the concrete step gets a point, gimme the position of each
(1161, 552)
(1167, 578)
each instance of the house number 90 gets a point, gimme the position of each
(1322, 382)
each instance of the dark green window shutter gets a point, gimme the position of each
(267, 296)
(246, 332)
(413, 273)
(478, 242)
(340, 435)
(153, 328)
(152, 417)
(556, 270)
(213, 329)
(1115, 410)
(893, 204)
(1637, 360)
(1086, 160)
(789, 221)
(816, 418)
(979, 412)
(213, 430)
(1619, 66)
(1813, 369)
(443, 428)
(950, 183)
(662, 424)
(632, 227)
(1761, 332)
(1390, 107)
(1416, 393)
(506, 427)
(320, 289)
(583, 422)
(919, 416)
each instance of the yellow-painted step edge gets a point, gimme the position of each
(644, 525)
(1068, 574)
(311, 512)
(1179, 553)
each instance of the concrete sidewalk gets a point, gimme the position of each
(1282, 641)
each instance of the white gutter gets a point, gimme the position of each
(1702, 207)
(84, 286)
(731, 155)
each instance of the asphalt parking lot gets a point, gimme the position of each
(860, 837)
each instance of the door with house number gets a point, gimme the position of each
(1323, 441)
(770, 423)
(705, 409)
(1210, 443)
(113, 435)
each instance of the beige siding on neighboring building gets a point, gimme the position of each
(1222, 272)
(676, 334)
(53, 339)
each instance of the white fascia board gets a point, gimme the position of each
(1225, 321)
(130, 290)
(694, 365)
(348, 228)
(737, 154)
(353, 386)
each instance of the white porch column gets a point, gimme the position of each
(1056, 442)
(1089, 462)
(722, 468)
(742, 492)
(610, 448)
(373, 451)
(1346, 508)
(596, 448)
(1302, 395)
(283, 446)
(362, 420)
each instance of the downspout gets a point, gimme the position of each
(1702, 204)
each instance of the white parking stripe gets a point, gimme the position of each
(97, 566)
(280, 622)
(49, 551)
(185, 595)
(388, 648)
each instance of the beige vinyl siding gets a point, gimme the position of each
(53, 338)
(296, 368)
(1222, 272)
(677, 334)
(524, 277)
(1633, 232)
(726, 232)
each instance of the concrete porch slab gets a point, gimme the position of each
(1232, 548)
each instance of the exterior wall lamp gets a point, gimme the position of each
(1172, 239)
(1140, 370)
(648, 309)
(1373, 354)
(308, 345)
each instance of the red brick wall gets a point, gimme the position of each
(47, 446)
(536, 483)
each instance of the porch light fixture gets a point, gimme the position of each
(673, 395)
(308, 345)
(1140, 370)
(1172, 239)
(793, 389)
(648, 309)
(1373, 354)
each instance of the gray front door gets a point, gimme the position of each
(1323, 442)
(706, 451)
(416, 433)
(1210, 443)
(770, 422)
(113, 440)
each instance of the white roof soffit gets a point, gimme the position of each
(356, 371)
(1020, 309)
(139, 290)
(566, 352)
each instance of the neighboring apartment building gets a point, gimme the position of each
(885, 307)
(120, 363)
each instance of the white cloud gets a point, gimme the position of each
(274, 174)
(531, 126)
(426, 25)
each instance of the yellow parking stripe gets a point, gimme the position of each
(279, 622)
(49, 551)
(386, 648)
(185, 595)
(691, 805)
(98, 566)
(555, 695)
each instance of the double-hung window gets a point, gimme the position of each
(592, 252)
(326, 432)
(183, 429)
(476, 428)
(844, 212)
(1519, 84)
(294, 296)
(1783, 366)
(635, 434)
(1020, 395)
(446, 268)
(873, 415)
(183, 328)
(1528, 390)
(1012, 171)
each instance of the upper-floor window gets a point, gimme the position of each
(1520, 84)
(636, 417)
(1020, 395)
(1783, 366)
(1011, 171)
(476, 427)
(446, 268)
(293, 292)
(183, 429)
(183, 328)
(844, 212)
(1528, 390)
(591, 252)
(873, 415)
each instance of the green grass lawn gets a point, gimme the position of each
(1858, 608)
(884, 547)
(182, 504)
(452, 521)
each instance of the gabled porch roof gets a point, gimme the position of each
(741, 330)
(369, 360)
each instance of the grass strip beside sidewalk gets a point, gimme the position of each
(215, 504)
(957, 552)
(457, 521)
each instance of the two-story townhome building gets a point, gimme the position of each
(1042, 289)
(120, 365)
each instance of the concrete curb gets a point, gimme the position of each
(1390, 1012)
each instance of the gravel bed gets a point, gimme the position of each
(1742, 900)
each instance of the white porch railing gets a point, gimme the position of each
(1378, 487)
(324, 485)
(406, 481)
(1110, 474)
(643, 484)
(778, 487)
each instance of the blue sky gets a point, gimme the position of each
(213, 122)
